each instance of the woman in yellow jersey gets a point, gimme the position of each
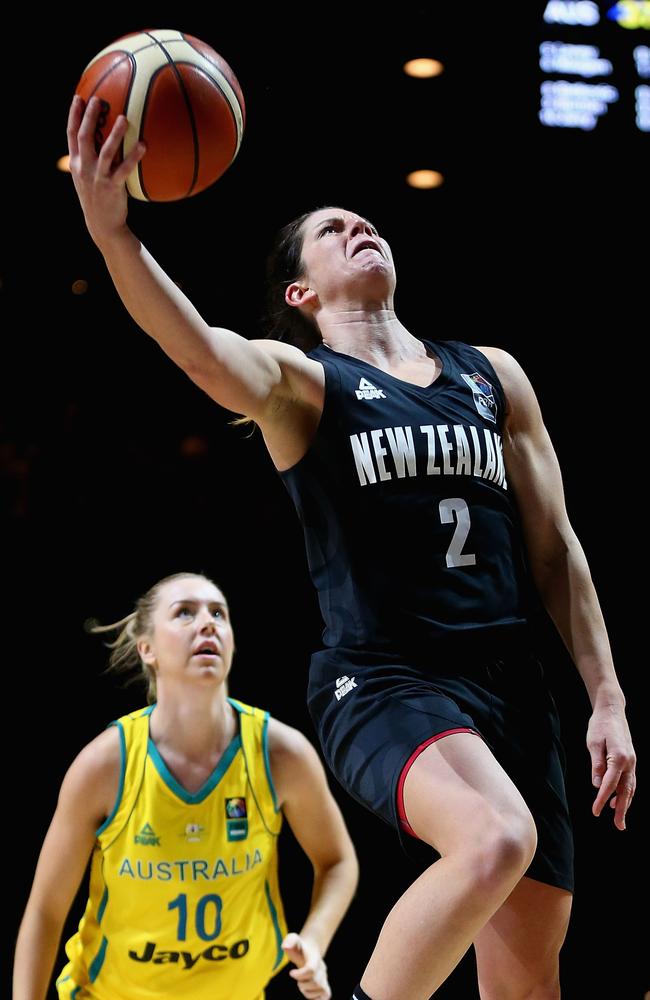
(181, 805)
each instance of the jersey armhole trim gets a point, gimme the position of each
(267, 761)
(109, 819)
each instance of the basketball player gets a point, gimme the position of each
(181, 804)
(431, 498)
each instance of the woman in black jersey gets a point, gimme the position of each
(430, 495)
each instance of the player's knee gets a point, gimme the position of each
(506, 849)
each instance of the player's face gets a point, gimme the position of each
(343, 254)
(192, 636)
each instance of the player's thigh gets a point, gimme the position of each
(456, 794)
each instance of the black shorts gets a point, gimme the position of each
(372, 710)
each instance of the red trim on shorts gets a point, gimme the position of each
(401, 811)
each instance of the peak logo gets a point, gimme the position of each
(367, 390)
(147, 836)
(343, 686)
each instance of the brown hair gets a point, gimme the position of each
(283, 265)
(281, 321)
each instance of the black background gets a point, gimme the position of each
(117, 470)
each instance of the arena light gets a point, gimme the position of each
(423, 68)
(424, 179)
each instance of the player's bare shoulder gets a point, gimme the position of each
(504, 364)
(293, 758)
(93, 778)
(521, 401)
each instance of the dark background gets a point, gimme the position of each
(117, 470)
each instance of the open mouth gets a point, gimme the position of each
(366, 245)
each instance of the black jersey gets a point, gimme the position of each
(412, 534)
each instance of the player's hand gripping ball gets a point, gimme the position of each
(180, 97)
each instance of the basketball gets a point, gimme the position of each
(180, 97)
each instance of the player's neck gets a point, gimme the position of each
(376, 336)
(196, 725)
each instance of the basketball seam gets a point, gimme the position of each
(188, 104)
(125, 104)
(225, 75)
(211, 79)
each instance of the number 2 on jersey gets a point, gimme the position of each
(456, 509)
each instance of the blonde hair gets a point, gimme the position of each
(124, 658)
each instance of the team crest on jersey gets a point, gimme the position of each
(483, 394)
(193, 833)
(236, 819)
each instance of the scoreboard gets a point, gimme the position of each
(594, 66)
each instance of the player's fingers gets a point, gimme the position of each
(127, 165)
(607, 788)
(86, 131)
(305, 972)
(598, 763)
(315, 992)
(75, 114)
(623, 798)
(112, 144)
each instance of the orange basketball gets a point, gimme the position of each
(180, 97)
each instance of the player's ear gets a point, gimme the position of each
(299, 294)
(146, 653)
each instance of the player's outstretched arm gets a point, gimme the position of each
(237, 373)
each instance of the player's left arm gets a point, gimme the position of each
(562, 577)
(318, 826)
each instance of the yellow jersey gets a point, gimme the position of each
(184, 898)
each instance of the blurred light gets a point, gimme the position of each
(642, 60)
(642, 94)
(79, 287)
(582, 12)
(575, 105)
(424, 179)
(631, 14)
(63, 163)
(579, 60)
(194, 446)
(423, 68)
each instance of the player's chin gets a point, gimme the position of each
(211, 673)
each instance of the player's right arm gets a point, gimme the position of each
(87, 796)
(234, 371)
